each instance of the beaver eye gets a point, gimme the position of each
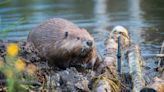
(66, 34)
(78, 38)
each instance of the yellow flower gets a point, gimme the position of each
(12, 49)
(20, 65)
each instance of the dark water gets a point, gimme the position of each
(143, 18)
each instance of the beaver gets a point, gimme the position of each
(63, 43)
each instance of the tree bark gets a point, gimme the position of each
(135, 62)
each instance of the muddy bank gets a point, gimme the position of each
(50, 78)
(72, 79)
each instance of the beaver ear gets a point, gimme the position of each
(66, 34)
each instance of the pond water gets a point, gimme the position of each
(143, 18)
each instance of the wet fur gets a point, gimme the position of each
(62, 43)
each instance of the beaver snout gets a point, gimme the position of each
(89, 43)
(87, 47)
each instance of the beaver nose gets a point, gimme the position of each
(89, 43)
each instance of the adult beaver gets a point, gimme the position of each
(63, 43)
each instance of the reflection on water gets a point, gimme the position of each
(101, 23)
(143, 18)
(153, 16)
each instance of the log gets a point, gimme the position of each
(105, 82)
(108, 79)
(161, 51)
(153, 55)
(135, 62)
(156, 86)
(158, 82)
(112, 44)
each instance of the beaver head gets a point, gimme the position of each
(76, 43)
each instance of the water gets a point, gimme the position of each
(143, 18)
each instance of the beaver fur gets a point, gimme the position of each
(63, 43)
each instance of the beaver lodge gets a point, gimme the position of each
(120, 69)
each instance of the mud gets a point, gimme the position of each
(72, 79)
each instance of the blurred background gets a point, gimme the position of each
(143, 18)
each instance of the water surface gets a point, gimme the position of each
(143, 18)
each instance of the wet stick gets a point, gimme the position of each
(135, 68)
